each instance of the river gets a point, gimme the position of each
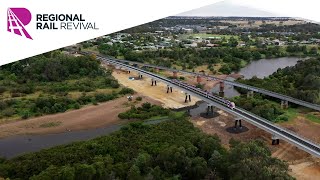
(17, 145)
(261, 68)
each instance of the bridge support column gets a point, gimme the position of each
(221, 92)
(188, 96)
(169, 88)
(236, 121)
(153, 82)
(284, 104)
(199, 79)
(140, 76)
(275, 140)
(175, 74)
(210, 109)
(249, 94)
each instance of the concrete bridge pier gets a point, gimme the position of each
(140, 76)
(221, 92)
(284, 104)
(175, 74)
(275, 140)
(128, 71)
(199, 79)
(250, 94)
(210, 109)
(169, 88)
(153, 82)
(236, 121)
(188, 96)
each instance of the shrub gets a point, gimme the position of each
(8, 112)
(3, 105)
(76, 106)
(2, 89)
(282, 118)
(126, 91)
(13, 95)
(26, 115)
(139, 98)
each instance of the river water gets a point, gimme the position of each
(265, 67)
(261, 68)
(17, 145)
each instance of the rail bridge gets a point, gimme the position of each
(219, 102)
(284, 98)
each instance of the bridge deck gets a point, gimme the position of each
(219, 102)
(252, 88)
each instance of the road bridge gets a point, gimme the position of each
(276, 131)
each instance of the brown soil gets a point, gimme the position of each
(159, 92)
(301, 164)
(85, 118)
(304, 127)
(219, 124)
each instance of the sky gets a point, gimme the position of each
(227, 8)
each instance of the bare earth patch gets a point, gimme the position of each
(301, 164)
(169, 100)
(88, 117)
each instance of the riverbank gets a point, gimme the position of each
(89, 117)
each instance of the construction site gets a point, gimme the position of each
(301, 164)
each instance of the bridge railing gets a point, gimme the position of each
(256, 89)
(308, 145)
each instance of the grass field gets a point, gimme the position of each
(313, 118)
(293, 113)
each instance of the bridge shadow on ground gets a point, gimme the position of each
(237, 130)
(209, 115)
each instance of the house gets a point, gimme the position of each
(212, 45)
(191, 45)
